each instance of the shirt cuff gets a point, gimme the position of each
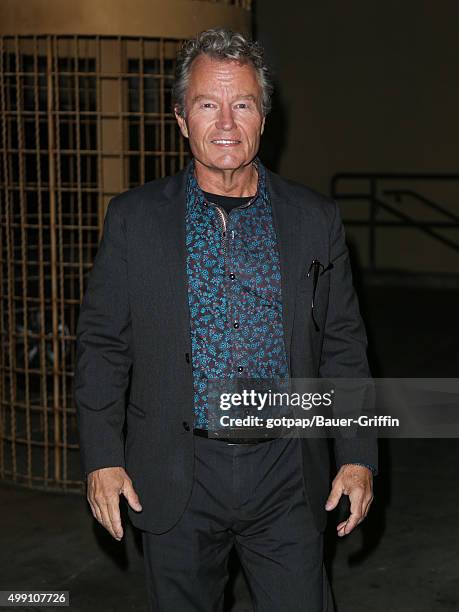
(374, 471)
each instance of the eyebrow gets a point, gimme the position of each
(211, 97)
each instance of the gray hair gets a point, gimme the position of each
(224, 44)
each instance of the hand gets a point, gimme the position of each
(356, 481)
(104, 488)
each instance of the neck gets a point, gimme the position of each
(239, 182)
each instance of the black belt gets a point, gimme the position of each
(204, 433)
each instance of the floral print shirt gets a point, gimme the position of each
(234, 291)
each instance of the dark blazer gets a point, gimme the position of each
(133, 341)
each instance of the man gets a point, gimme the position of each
(200, 276)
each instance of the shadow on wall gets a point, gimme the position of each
(274, 139)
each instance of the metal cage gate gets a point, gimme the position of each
(82, 119)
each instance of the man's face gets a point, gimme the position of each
(223, 120)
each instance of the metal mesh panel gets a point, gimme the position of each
(82, 119)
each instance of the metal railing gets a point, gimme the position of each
(380, 199)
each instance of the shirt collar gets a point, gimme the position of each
(196, 194)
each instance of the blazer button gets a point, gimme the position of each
(186, 426)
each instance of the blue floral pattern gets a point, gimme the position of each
(234, 291)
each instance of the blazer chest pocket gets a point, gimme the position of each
(315, 275)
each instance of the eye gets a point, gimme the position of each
(242, 105)
(207, 105)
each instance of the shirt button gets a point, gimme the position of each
(235, 324)
(232, 276)
(240, 368)
(186, 426)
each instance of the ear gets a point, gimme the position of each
(262, 125)
(182, 123)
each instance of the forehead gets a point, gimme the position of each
(206, 70)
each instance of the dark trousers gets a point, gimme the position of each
(252, 497)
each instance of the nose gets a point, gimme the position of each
(225, 119)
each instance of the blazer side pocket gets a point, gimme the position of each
(135, 410)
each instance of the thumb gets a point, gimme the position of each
(333, 498)
(131, 496)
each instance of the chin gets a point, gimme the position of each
(228, 161)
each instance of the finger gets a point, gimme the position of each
(334, 497)
(356, 498)
(100, 506)
(347, 526)
(107, 520)
(131, 496)
(360, 498)
(92, 502)
(367, 505)
(113, 509)
(356, 513)
(93, 509)
(355, 517)
(98, 514)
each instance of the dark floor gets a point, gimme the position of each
(404, 557)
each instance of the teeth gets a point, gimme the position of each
(225, 141)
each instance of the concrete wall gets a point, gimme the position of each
(173, 18)
(367, 87)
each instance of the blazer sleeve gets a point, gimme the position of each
(345, 344)
(104, 351)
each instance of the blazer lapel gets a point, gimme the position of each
(287, 222)
(170, 216)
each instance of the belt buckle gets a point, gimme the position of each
(239, 443)
(235, 441)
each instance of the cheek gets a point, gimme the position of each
(251, 127)
(199, 130)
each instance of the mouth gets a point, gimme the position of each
(225, 142)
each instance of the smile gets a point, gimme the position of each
(222, 141)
